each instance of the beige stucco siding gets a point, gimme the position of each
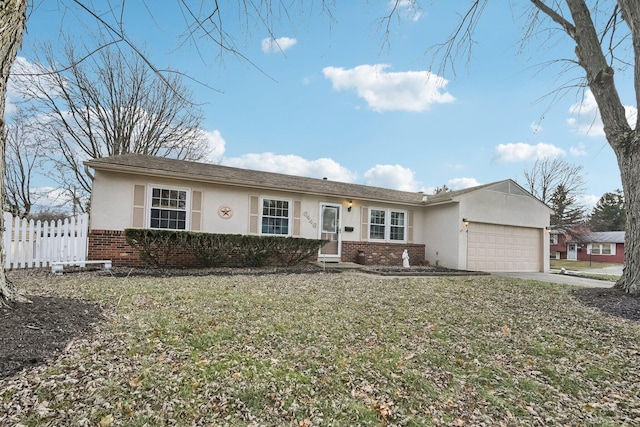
(501, 208)
(113, 202)
(440, 233)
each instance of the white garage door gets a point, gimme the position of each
(493, 247)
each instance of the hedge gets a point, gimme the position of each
(157, 248)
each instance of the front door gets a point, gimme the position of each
(330, 230)
(572, 251)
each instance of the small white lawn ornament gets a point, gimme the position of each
(405, 259)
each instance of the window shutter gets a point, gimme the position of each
(254, 214)
(196, 210)
(297, 207)
(364, 228)
(137, 219)
(410, 227)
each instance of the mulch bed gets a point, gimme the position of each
(611, 301)
(31, 333)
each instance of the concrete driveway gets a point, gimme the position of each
(568, 279)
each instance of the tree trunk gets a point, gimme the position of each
(630, 174)
(621, 136)
(13, 15)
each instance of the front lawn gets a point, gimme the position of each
(578, 265)
(332, 349)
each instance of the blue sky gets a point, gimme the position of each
(334, 98)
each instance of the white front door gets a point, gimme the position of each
(572, 251)
(330, 230)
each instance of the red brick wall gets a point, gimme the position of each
(112, 244)
(383, 253)
(618, 258)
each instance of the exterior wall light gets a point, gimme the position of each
(465, 221)
(349, 205)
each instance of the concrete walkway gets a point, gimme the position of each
(567, 279)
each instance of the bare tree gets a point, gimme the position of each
(546, 175)
(109, 104)
(23, 163)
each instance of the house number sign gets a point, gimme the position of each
(310, 220)
(225, 212)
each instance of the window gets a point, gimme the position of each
(602, 248)
(168, 209)
(553, 239)
(376, 224)
(275, 217)
(397, 226)
(387, 224)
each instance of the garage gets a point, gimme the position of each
(492, 247)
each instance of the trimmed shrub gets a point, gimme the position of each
(155, 246)
(214, 250)
(211, 250)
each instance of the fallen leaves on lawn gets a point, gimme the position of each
(332, 349)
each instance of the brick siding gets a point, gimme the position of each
(383, 253)
(112, 244)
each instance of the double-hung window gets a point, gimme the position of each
(168, 208)
(602, 248)
(276, 217)
(388, 225)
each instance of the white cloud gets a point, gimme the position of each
(292, 165)
(536, 127)
(280, 44)
(462, 183)
(26, 73)
(385, 91)
(578, 151)
(392, 176)
(216, 145)
(410, 8)
(520, 152)
(53, 199)
(586, 119)
(589, 201)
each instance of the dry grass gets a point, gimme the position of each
(578, 265)
(332, 349)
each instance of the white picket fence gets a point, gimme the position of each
(30, 244)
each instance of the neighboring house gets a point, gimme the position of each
(600, 246)
(561, 247)
(492, 227)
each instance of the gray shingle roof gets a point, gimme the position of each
(210, 173)
(506, 186)
(603, 237)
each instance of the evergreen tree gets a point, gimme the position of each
(567, 214)
(609, 213)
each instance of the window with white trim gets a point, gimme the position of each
(553, 239)
(601, 248)
(275, 217)
(168, 208)
(388, 225)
